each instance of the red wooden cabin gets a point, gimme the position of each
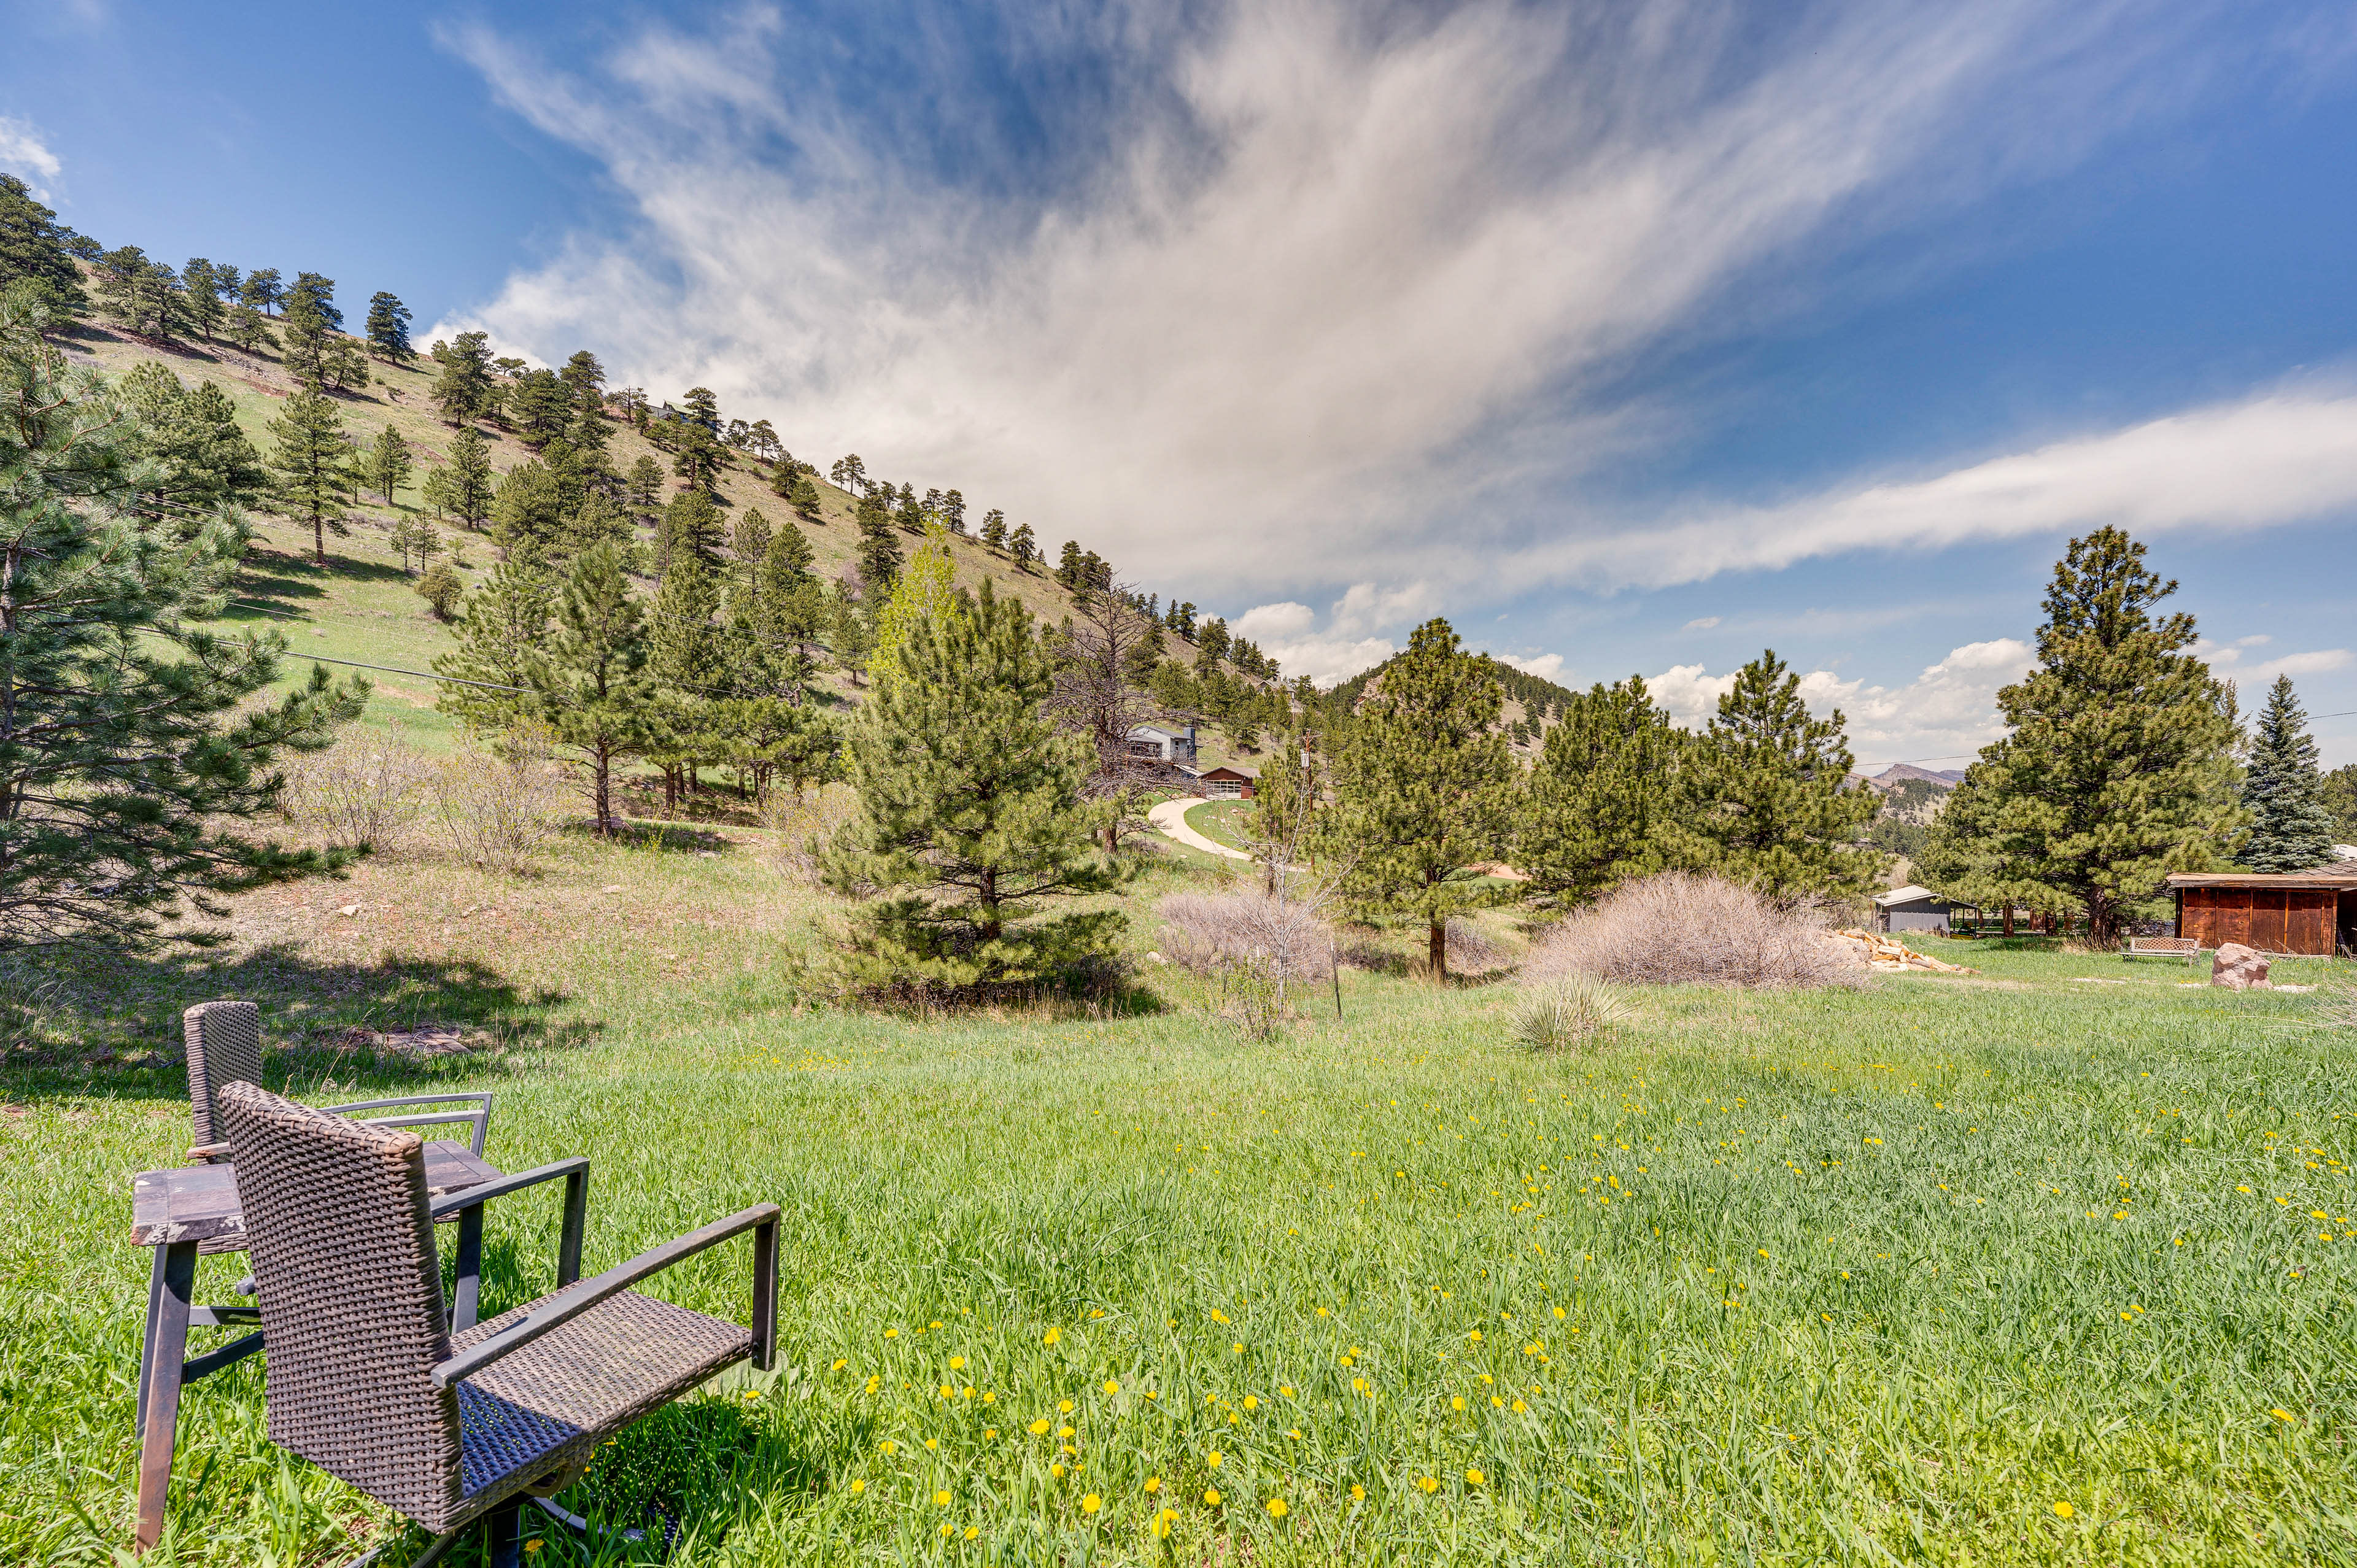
(2310, 912)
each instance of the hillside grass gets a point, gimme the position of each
(1769, 1278)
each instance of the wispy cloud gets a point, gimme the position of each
(26, 156)
(1339, 284)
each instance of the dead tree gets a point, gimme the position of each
(1094, 698)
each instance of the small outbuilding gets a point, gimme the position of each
(1226, 782)
(1910, 909)
(2311, 912)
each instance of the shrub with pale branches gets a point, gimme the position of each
(363, 792)
(1678, 928)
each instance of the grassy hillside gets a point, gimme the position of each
(362, 607)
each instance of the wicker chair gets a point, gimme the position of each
(367, 1380)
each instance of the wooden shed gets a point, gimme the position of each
(1229, 782)
(2308, 912)
(1910, 909)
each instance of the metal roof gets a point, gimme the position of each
(2339, 875)
(1907, 895)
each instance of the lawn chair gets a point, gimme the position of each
(367, 1380)
(224, 1040)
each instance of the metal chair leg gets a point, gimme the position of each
(174, 1279)
(466, 1292)
(503, 1536)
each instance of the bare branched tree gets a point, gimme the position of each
(1096, 698)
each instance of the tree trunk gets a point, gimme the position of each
(2103, 923)
(605, 798)
(2009, 917)
(319, 539)
(1436, 951)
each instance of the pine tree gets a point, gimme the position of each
(200, 295)
(1283, 828)
(262, 290)
(312, 463)
(924, 591)
(462, 390)
(141, 294)
(2291, 826)
(784, 570)
(1768, 798)
(130, 734)
(1964, 860)
(499, 651)
(389, 463)
(528, 511)
(645, 485)
(197, 458)
(994, 529)
(388, 329)
(691, 523)
(1601, 806)
(1068, 566)
(1421, 788)
(303, 327)
(952, 512)
(879, 552)
(585, 381)
(748, 542)
(684, 638)
(971, 816)
(598, 691)
(319, 293)
(33, 252)
(1022, 546)
(2120, 767)
(248, 330)
(804, 498)
(469, 487)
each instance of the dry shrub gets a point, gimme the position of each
(496, 807)
(1471, 950)
(1257, 949)
(1557, 1015)
(362, 792)
(804, 822)
(1678, 928)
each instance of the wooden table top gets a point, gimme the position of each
(198, 1203)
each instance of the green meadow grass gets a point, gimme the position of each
(1221, 821)
(1895, 1274)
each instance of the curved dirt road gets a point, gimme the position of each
(1171, 817)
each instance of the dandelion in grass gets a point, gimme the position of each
(1358, 1494)
(1457, 1402)
(972, 1532)
(1213, 1458)
(1091, 1503)
(2284, 1416)
(957, 1363)
(888, 1445)
(1428, 1484)
(1475, 1478)
(1163, 1520)
(1051, 1337)
(1251, 1403)
(2064, 1510)
(941, 1500)
(1039, 1427)
(858, 1485)
(838, 1365)
(1111, 1387)
(1065, 1406)
(1276, 1508)
(1211, 1496)
(1153, 1485)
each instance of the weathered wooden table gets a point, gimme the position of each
(177, 1211)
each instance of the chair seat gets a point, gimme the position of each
(547, 1406)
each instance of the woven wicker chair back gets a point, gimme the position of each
(224, 1047)
(342, 1241)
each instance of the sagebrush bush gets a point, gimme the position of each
(1471, 950)
(805, 823)
(1260, 950)
(363, 792)
(1678, 928)
(496, 809)
(1557, 1015)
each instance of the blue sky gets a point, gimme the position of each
(1631, 338)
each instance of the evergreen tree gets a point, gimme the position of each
(1965, 861)
(994, 529)
(598, 692)
(33, 255)
(462, 390)
(683, 638)
(142, 295)
(129, 734)
(1283, 824)
(469, 489)
(312, 465)
(585, 381)
(499, 651)
(540, 406)
(2291, 827)
(691, 523)
(849, 474)
(303, 331)
(879, 552)
(1421, 788)
(201, 296)
(847, 636)
(784, 570)
(924, 591)
(263, 290)
(389, 463)
(971, 816)
(196, 456)
(319, 293)
(804, 498)
(1768, 796)
(1021, 546)
(748, 542)
(443, 591)
(2120, 768)
(2338, 791)
(248, 330)
(388, 329)
(1601, 806)
(1068, 570)
(645, 487)
(952, 512)
(416, 537)
(528, 511)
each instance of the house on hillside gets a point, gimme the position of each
(1159, 744)
(2310, 912)
(1910, 909)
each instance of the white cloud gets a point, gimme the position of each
(1948, 711)
(2281, 457)
(1546, 666)
(2315, 663)
(1263, 622)
(1700, 623)
(24, 154)
(1340, 287)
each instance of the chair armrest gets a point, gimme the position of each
(481, 1116)
(206, 1154)
(576, 1172)
(456, 1198)
(478, 1096)
(569, 1303)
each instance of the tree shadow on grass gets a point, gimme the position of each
(78, 1024)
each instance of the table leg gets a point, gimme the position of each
(168, 1341)
(467, 1290)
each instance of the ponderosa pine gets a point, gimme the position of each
(2291, 826)
(1767, 794)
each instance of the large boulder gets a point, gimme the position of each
(2238, 968)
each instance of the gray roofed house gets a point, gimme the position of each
(1910, 909)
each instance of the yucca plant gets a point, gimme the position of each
(1557, 1015)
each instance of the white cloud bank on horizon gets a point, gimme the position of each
(25, 154)
(1343, 289)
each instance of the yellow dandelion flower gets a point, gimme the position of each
(888, 1445)
(1153, 1485)
(972, 1532)
(1091, 1503)
(1251, 1403)
(1428, 1484)
(941, 1500)
(1475, 1336)
(1358, 1494)
(2064, 1510)
(838, 1365)
(1065, 1406)
(1039, 1427)
(1051, 1337)
(1475, 1478)
(1063, 1432)
(858, 1485)
(1211, 1496)
(1111, 1387)
(1285, 1389)
(1521, 1409)
(1457, 1402)
(1213, 1458)
(1277, 1508)
(1057, 1471)
(2284, 1416)
(957, 1363)
(1163, 1521)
